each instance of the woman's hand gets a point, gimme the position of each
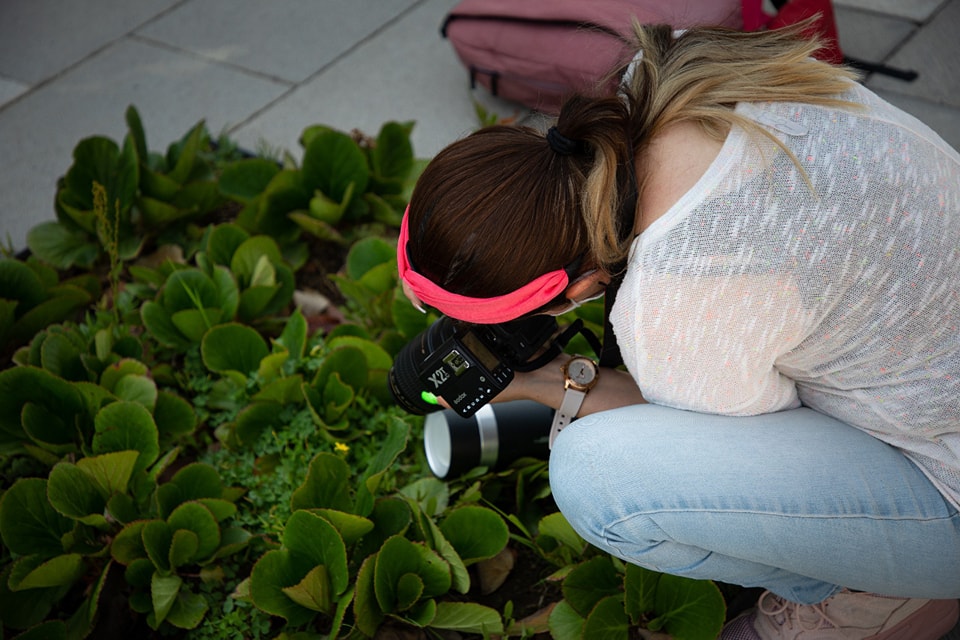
(545, 385)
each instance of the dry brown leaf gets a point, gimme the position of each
(493, 572)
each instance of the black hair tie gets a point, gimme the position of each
(562, 144)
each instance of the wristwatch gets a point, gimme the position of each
(580, 375)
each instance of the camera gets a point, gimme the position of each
(468, 364)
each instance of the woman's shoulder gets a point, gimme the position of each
(675, 160)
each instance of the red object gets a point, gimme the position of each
(796, 11)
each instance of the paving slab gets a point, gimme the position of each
(172, 91)
(10, 89)
(408, 72)
(285, 39)
(870, 36)
(916, 10)
(41, 38)
(934, 51)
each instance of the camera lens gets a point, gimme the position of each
(404, 376)
(494, 436)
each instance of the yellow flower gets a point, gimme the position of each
(341, 448)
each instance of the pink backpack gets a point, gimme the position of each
(538, 52)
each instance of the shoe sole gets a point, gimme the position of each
(930, 622)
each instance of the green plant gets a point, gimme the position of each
(343, 183)
(191, 301)
(32, 297)
(148, 193)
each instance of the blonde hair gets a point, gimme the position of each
(700, 76)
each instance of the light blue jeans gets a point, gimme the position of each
(794, 502)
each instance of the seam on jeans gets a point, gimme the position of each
(753, 512)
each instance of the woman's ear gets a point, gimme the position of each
(587, 284)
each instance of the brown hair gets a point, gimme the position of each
(498, 208)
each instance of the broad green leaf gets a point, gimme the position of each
(392, 446)
(556, 526)
(111, 471)
(21, 283)
(173, 415)
(157, 538)
(33, 572)
(368, 253)
(400, 556)
(274, 571)
(61, 246)
(127, 545)
(24, 609)
(28, 523)
(409, 589)
(327, 485)
(233, 347)
(477, 533)
(640, 588)
(158, 322)
(193, 482)
(392, 157)
(139, 389)
(349, 363)
(127, 426)
(294, 335)
(245, 260)
(565, 623)
(223, 242)
(198, 519)
(244, 180)
(315, 539)
(351, 527)
(188, 611)
(367, 611)
(193, 323)
(76, 495)
(183, 548)
(256, 418)
(26, 384)
(189, 289)
(689, 609)
(331, 162)
(163, 593)
(313, 592)
(467, 617)
(608, 621)
(590, 582)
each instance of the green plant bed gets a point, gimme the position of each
(185, 452)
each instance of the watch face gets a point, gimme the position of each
(581, 372)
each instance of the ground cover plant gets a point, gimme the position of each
(190, 450)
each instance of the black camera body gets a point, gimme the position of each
(468, 364)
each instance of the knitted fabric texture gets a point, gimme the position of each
(759, 291)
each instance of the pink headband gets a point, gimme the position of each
(509, 306)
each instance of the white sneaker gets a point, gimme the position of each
(845, 616)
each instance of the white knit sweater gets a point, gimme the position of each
(754, 293)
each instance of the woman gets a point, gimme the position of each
(788, 316)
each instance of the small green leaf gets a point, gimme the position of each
(127, 426)
(33, 572)
(272, 572)
(590, 582)
(313, 592)
(327, 485)
(565, 623)
(75, 494)
(244, 180)
(467, 617)
(477, 533)
(28, 523)
(188, 610)
(608, 621)
(233, 347)
(163, 593)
